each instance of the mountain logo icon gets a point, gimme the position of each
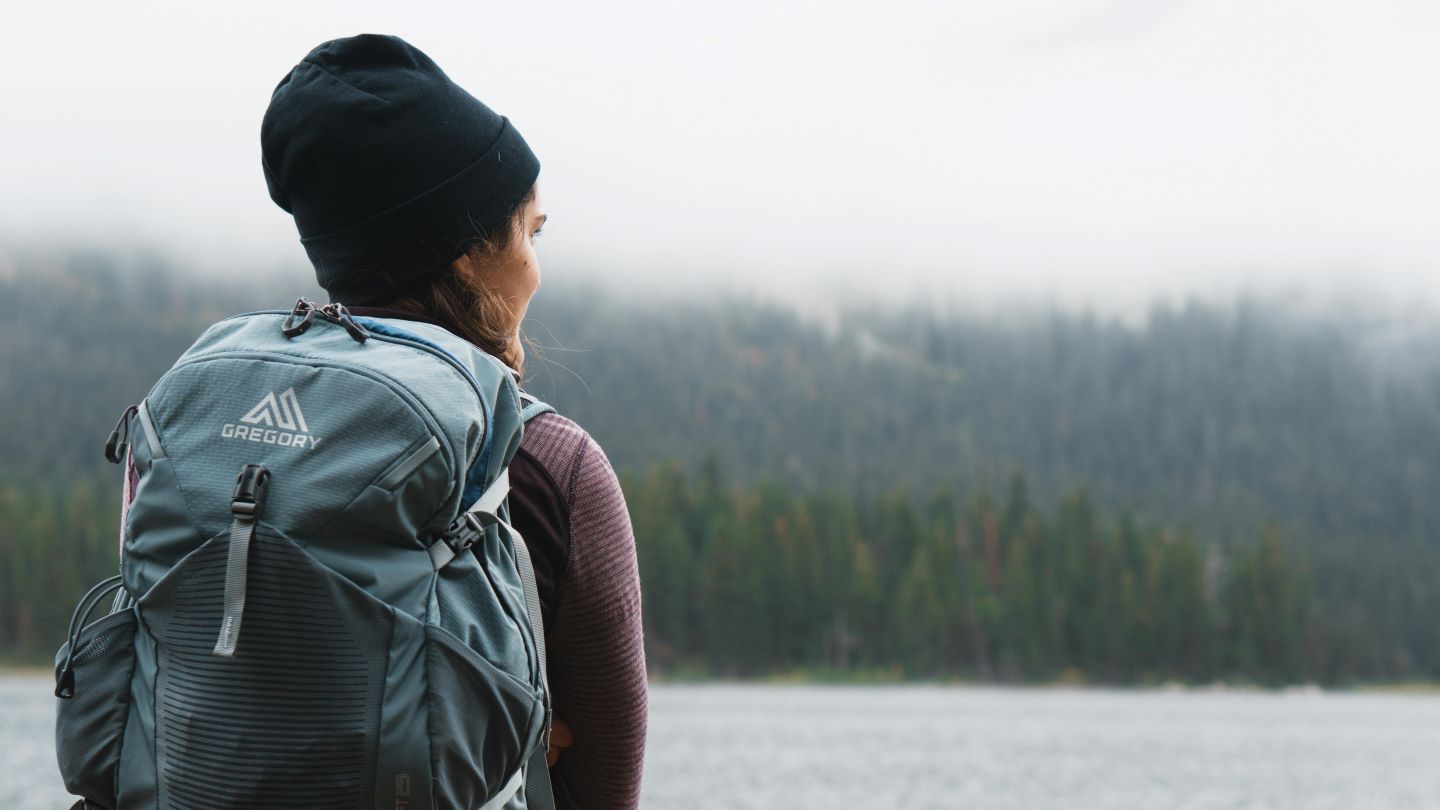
(281, 412)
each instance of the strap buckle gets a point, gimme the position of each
(464, 533)
(250, 486)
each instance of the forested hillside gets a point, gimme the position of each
(1215, 417)
(1215, 492)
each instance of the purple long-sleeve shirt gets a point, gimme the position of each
(566, 502)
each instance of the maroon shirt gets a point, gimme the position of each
(566, 502)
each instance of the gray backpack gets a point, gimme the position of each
(321, 603)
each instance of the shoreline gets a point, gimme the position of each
(1421, 688)
(1424, 688)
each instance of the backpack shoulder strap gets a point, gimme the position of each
(531, 407)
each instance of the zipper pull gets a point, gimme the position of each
(116, 440)
(336, 312)
(304, 309)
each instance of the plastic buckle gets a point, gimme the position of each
(464, 532)
(250, 487)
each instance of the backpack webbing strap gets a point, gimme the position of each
(506, 793)
(246, 507)
(538, 793)
(237, 566)
(440, 554)
(537, 777)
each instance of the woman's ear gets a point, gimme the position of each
(461, 264)
(466, 266)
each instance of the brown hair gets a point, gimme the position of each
(464, 301)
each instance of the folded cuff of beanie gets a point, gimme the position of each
(372, 259)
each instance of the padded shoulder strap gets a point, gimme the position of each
(530, 407)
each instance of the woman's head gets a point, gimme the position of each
(484, 295)
(402, 184)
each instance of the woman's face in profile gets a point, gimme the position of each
(515, 272)
(520, 267)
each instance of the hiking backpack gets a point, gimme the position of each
(321, 602)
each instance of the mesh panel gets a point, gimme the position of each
(291, 721)
(483, 722)
(89, 726)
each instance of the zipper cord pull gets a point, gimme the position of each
(120, 436)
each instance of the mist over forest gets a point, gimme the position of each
(1006, 495)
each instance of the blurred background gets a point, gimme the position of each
(945, 350)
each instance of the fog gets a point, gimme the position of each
(1105, 153)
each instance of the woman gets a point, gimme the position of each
(414, 200)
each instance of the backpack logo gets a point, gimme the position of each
(285, 413)
(274, 420)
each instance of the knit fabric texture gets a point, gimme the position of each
(595, 638)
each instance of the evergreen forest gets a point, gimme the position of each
(1237, 492)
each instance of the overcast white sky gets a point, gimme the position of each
(1093, 149)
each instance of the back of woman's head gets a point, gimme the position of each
(405, 188)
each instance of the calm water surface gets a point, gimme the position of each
(913, 747)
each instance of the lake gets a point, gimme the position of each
(914, 747)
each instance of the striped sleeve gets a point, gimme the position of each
(595, 643)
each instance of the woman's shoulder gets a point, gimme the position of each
(567, 452)
(554, 437)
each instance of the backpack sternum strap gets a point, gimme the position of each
(246, 506)
(469, 527)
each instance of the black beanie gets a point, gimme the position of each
(388, 166)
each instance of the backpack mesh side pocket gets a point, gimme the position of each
(484, 722)
(89, 727)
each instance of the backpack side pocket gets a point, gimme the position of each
(90, 724)
(484, 722)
